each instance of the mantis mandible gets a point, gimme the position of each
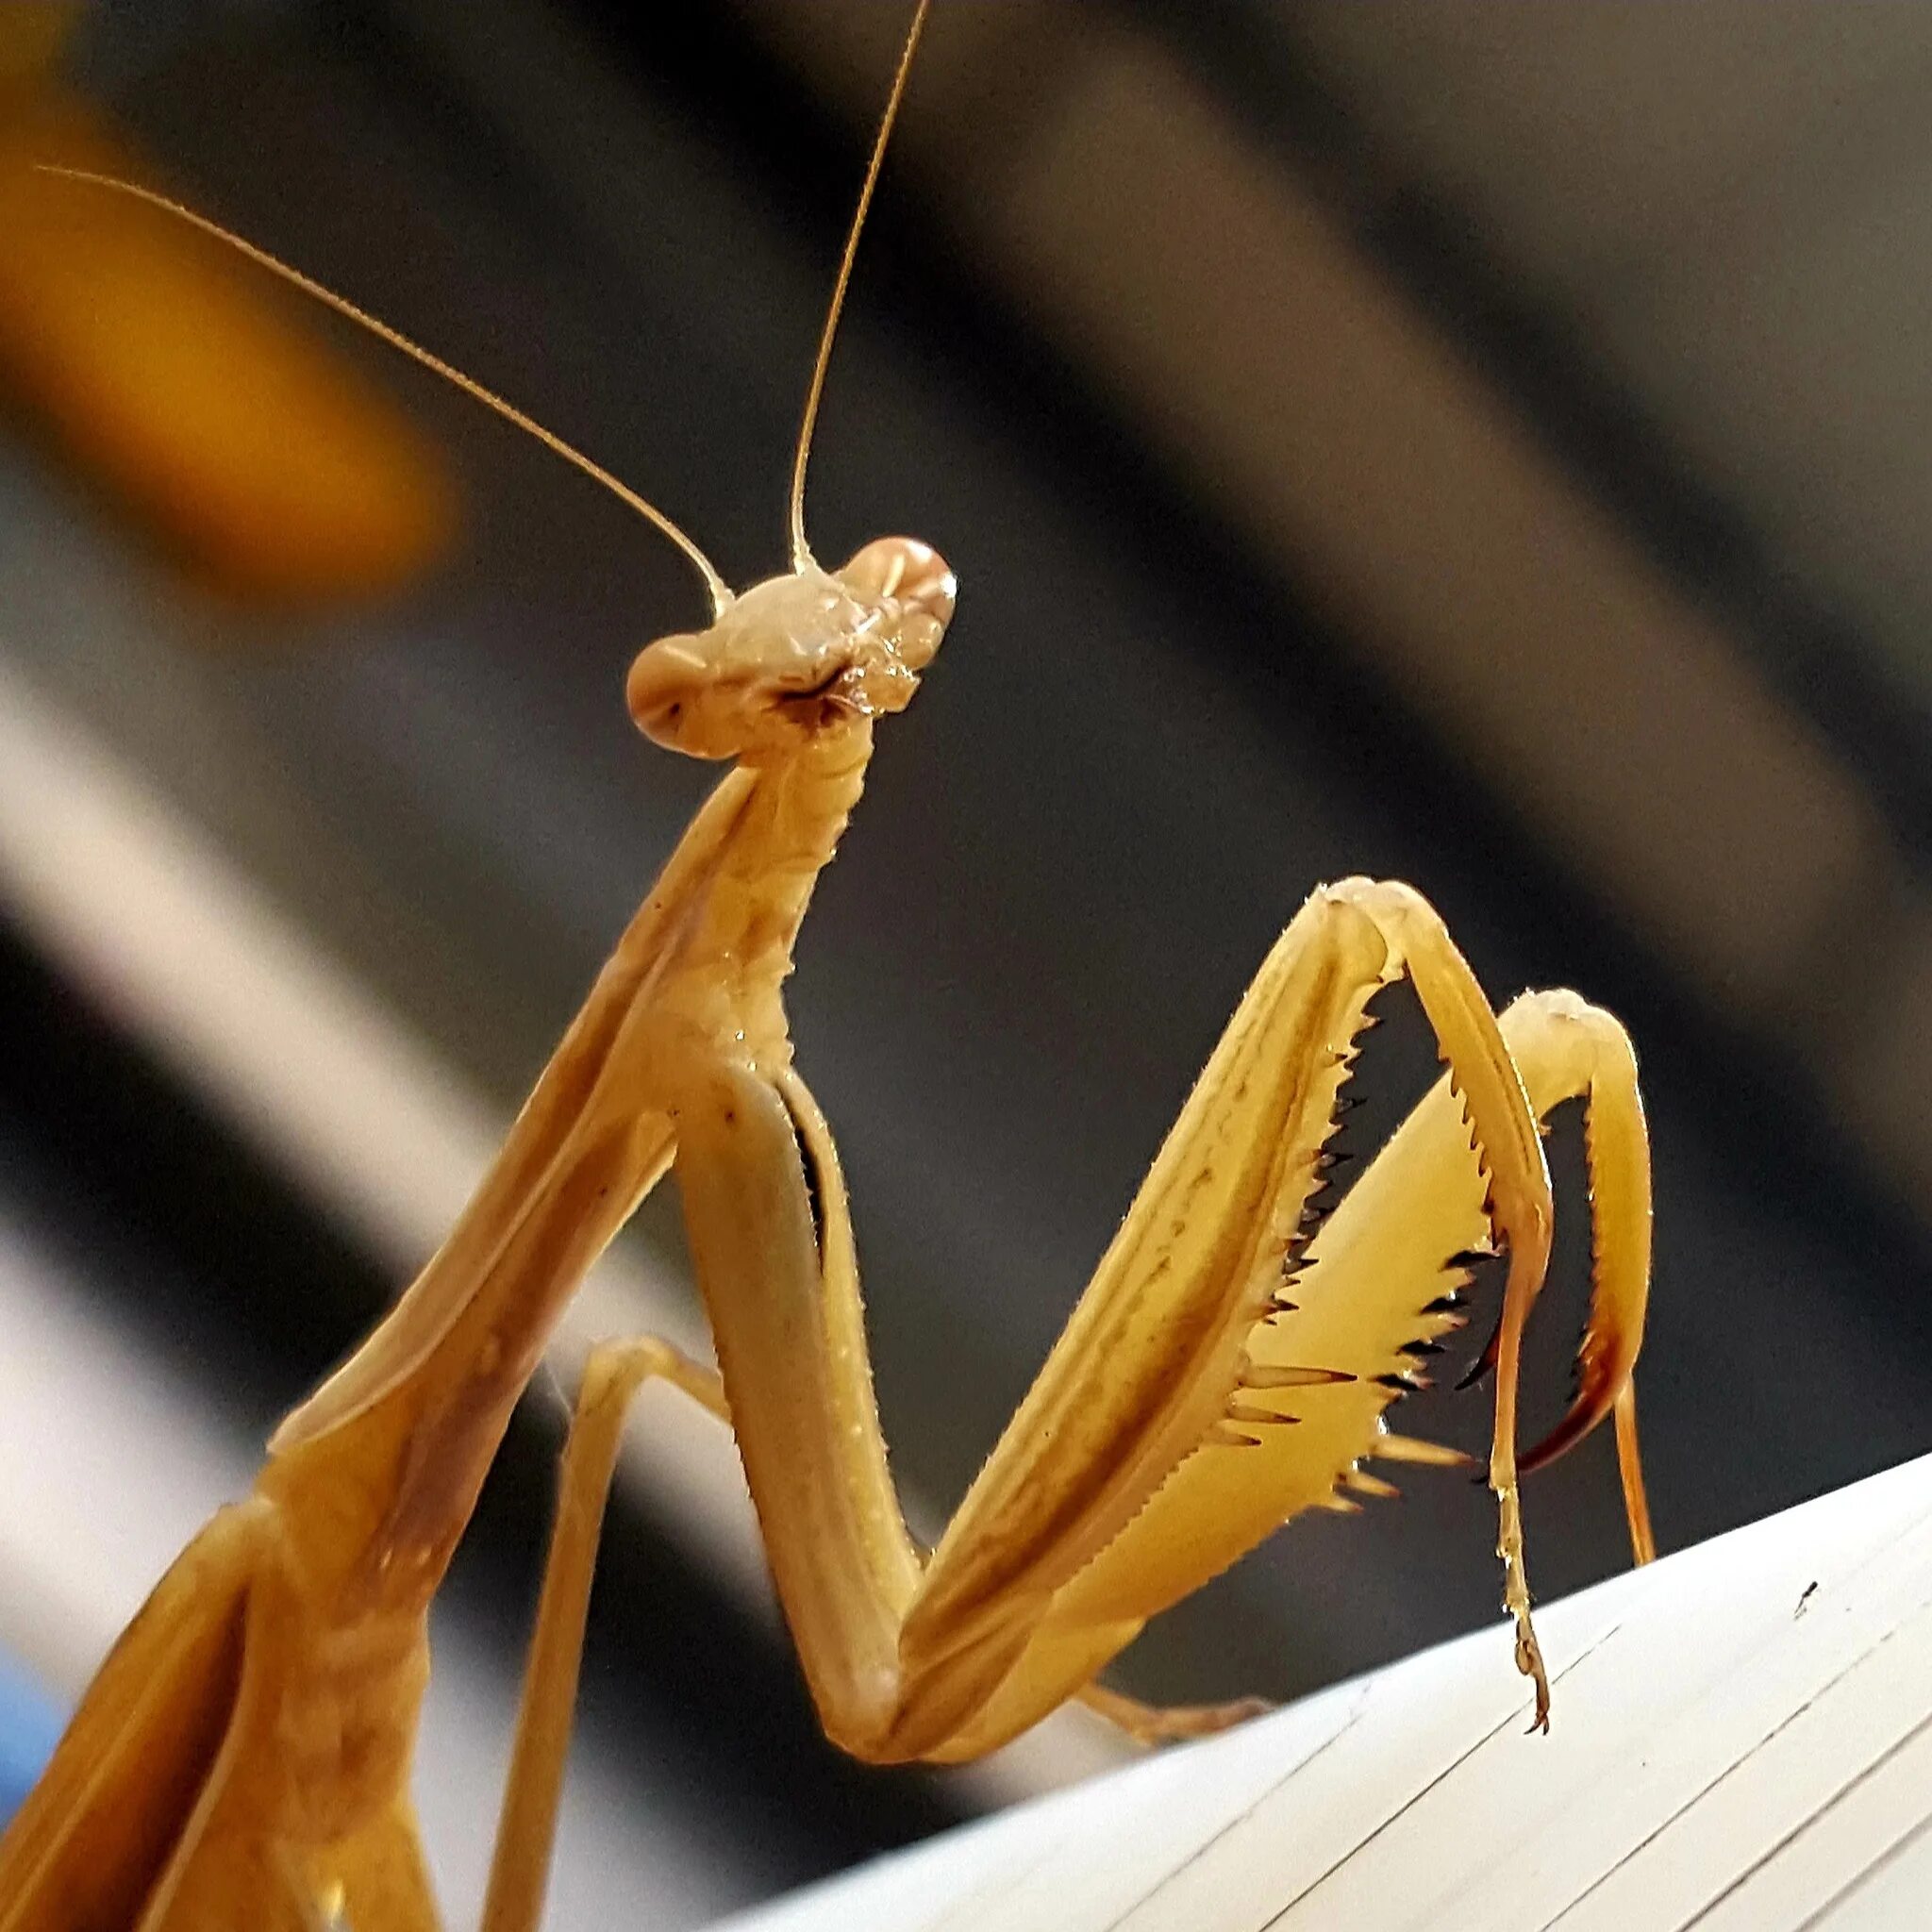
(240, 1763)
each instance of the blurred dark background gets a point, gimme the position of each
(1479, 445)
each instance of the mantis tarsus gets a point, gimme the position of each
(242, 1759)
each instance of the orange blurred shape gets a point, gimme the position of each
(175, 379)
(33, 35)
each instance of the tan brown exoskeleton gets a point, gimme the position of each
(241, 1761)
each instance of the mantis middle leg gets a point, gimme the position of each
(1169, 1724)
(527, 1829)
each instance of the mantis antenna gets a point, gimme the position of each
(719, 591)
(801, 550)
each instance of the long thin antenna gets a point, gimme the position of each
(801, 550)
(719, 591)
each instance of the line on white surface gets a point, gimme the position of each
(1241, 1817)
(1416, 1797)
(1858, 1880)
(1738, 1763)
(1811, 1818)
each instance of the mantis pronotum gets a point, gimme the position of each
(242, 1759)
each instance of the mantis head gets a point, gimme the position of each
(798, 657)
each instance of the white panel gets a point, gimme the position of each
(1742, 1739)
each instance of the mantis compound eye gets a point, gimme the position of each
(914, 577)
(673, 691)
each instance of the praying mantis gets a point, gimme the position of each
(241, 1760)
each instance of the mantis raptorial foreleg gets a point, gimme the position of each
(911, 1659)
(742, 1140)
(1283, 1054)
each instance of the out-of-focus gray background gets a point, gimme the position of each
(1480, 444)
